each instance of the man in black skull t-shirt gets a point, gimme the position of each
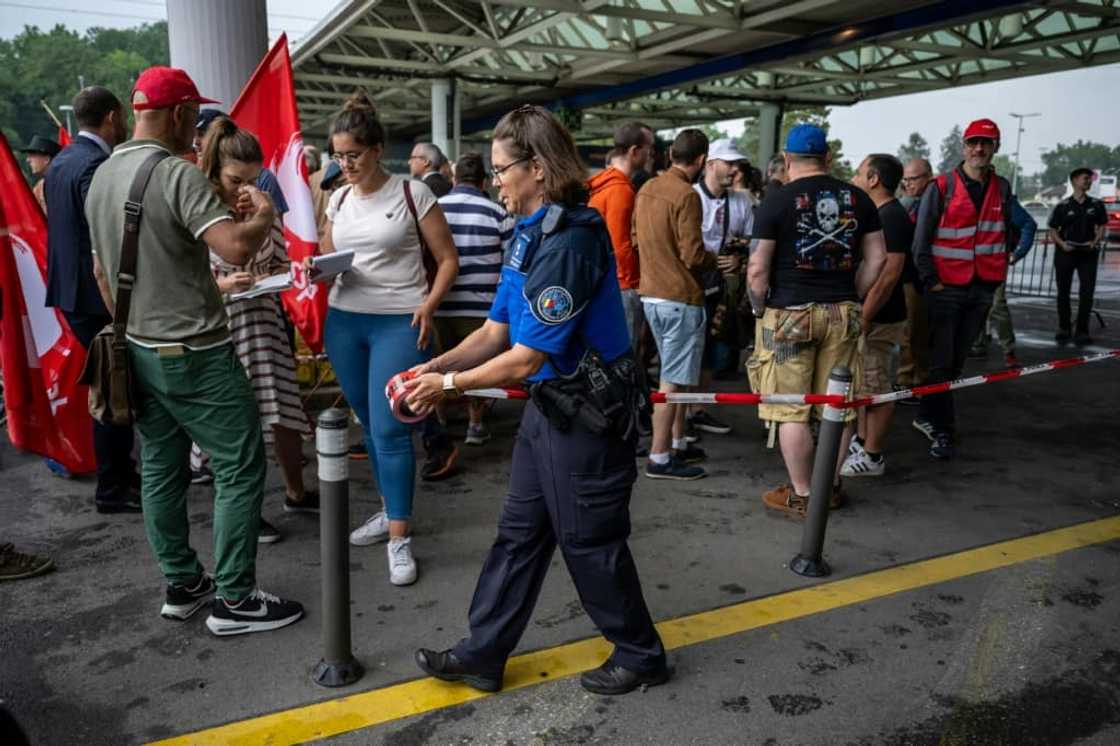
(820, 249)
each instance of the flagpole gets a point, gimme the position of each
(51, 114)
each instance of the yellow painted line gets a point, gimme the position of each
(398, 701)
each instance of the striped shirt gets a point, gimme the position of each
(481, 230)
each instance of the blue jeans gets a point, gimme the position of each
(366, 350)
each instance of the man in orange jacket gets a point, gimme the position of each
(612, 195)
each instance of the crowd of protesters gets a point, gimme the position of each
(896, 274)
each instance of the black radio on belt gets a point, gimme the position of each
(603, 398)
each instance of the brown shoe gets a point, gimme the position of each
(786, 500)
(838, 498)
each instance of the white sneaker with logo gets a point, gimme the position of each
(402, 566)
(375, 529)
(859, 464)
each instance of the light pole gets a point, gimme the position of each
(1018, 142)
(67, 108)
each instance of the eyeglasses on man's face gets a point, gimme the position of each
(912, 179)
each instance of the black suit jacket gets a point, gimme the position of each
(437, 182)
(70, 282)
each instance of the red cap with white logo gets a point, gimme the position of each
(162, 87)
(982, 128)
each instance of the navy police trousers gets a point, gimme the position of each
(573, 490)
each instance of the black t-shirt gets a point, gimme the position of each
(898, 233)
(818, 223)
(1077, 221)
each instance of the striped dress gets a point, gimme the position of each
(480, 229)
(257, 331)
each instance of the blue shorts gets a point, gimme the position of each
(678, 329)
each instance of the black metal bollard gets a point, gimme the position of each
(338, 667)
(808, 561)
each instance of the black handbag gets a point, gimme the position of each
(107, 372)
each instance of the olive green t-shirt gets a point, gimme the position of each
(175, 299)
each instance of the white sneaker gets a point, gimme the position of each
(375, 529)
(402, 566)
(861, 465)
(855, 447)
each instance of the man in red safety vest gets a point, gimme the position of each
(960, 250)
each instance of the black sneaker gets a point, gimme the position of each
(268, 533)
(309, 503)
(129, 503)
(704, 421)
(19, 565)
(942, 447)
(257, 612)
(440, 464)
(1062, 336)
(202, 476)
(674, 469)
(690, 454)
(1082, 339)
(184, 600)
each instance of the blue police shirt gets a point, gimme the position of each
(559, 289)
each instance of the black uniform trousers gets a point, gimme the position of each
(573, 490)
(957, 314)
(112, 445)
(1084, 262)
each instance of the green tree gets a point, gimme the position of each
(1064, 158)
(952, 150)
(915, 147)
(46, 65)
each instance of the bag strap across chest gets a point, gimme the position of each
(130, 243)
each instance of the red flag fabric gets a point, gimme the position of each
(267, 107)
(64, 138)
(41, 358)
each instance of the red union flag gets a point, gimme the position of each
(41, 358)
(267, 107)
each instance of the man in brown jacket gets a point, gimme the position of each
(667, 223)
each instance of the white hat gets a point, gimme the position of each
(724, 150)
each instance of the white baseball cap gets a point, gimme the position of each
(724, 149)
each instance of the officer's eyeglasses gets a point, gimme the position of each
(499, 170)
(348, 158)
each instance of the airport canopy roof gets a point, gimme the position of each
(677, 62)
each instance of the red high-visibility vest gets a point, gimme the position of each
(967, 243)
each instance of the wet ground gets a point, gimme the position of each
(1028, 654)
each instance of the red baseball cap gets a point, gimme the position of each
(982, 128)
(162, 87)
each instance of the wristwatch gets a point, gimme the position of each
(450, 390)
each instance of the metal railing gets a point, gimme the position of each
(1034, 274)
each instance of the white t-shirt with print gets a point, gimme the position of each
(739, 225)
(387, 276)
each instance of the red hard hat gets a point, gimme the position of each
(982, 128)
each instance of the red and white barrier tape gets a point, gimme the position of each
(836, 401)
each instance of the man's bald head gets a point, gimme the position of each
(916, 175)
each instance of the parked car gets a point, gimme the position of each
(1112, 230)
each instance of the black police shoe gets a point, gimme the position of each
(611, 678)
(127, 503)
(446, 667)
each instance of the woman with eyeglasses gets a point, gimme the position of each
(380, 317)
(556, 323)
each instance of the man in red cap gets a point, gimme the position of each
(961, 252)
(190, 384)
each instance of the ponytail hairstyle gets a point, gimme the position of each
(224, 141)
(533, 132)
(358, 119)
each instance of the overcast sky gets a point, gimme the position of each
(1081, 104)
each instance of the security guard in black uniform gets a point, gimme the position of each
(557, 323)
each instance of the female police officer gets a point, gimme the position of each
(558, 311)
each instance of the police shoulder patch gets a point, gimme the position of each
(554, 305)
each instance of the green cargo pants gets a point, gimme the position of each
(200, 396)
(998, 324)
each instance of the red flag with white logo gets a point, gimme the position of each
(267, 108)
(41, 358)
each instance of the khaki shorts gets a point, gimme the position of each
(794, 351)
(452, 330)
(879, 348)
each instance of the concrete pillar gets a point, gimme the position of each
(441, 96)
(769, 130)
(457, 123)
(218, 43)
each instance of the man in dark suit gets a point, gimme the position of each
(71, 286)
(425, 163)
